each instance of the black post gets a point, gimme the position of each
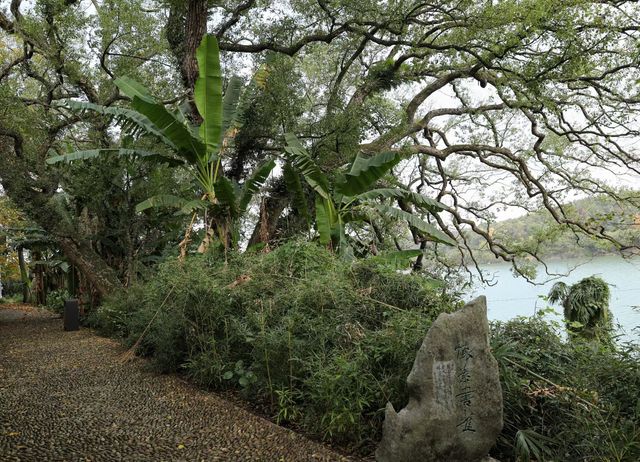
(71, 315)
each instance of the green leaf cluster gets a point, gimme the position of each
(352, 197)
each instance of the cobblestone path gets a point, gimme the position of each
(66, 396)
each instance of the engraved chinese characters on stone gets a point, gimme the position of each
(464, 397)
(443, 380)
(454, 413)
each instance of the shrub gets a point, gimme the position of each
(565, 400)
(56, 299)
(12, 289)
(324, 344)
(293, 329)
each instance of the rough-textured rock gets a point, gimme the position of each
(454, 412)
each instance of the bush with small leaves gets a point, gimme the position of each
(322, 342)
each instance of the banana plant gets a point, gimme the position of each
(199, 149)
(353, 197)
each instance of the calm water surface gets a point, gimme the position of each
(511, 296)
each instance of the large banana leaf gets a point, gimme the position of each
(399, 259)
(133, 89)
(132, 122)
(162, 200)
(294, 186)
(230, 104)
(324, 221)
(365, 172)
(92, 153)
(195, 204)
(226, 195)
(254, 183)
(165, 121)
(208, 93)
(344, 247)
(418, 199)
(189, 147)
(429, 230)
(302, 161)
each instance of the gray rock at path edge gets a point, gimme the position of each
(454, 412)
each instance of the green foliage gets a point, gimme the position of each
(15, 298)
(93, 153)
(351, 197)
(200, 150)
(208, 94)
(56, 299)
(586, 409)
(179, 135)
(586, 308)
(322, 342)
(364, 172)
(538, 233)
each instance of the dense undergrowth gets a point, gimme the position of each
(565, 401)
(323, 345)
(321, 342)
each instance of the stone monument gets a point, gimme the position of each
(454, 412)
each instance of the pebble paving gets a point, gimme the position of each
(67, 396)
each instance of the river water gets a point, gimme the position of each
(511, 296)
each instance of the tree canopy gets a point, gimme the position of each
(491, 106)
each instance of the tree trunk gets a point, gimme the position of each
(185, 27)
(95, 270)
(23, 275)
(39, 289)
(270, 211)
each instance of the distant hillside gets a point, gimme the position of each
(538, 232)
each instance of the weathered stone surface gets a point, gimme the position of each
(454, 412)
